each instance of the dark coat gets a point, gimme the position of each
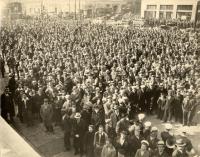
(7, 104)
(123, 149)
(165, 135)
(177, 153)
(152, 143)
(164, 154)
(12, 84)
(114, 119)
(67, 124)
(79, 128)
(89, 140)
(98, 118)
(89, 144)
(135, 144)
(99, 142)
(138, 153)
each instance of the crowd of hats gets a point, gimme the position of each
(105, 62)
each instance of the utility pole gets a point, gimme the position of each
(75, 10)
(69, 6)
(79, 8)
(196, 14)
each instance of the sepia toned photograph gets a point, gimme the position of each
(100, 78)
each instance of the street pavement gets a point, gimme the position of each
(52, 145)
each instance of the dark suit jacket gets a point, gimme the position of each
(79, 128)
(89, 140)
(7, 104)
(135, 144)
(165, 135)
(114, 118)
(164, 154)
(67, 124)
(123, 149)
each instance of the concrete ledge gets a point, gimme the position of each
(12, 144)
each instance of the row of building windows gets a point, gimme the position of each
(168, 15)
(170, 7)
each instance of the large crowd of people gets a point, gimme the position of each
(181, 24)
(99, 83)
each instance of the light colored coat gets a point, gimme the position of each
(138, 153)
(108, 151)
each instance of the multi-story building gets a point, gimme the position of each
(102, 7)
(169, 9)
(36, 7)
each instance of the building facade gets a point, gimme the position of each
(95, 8)
(169, 9)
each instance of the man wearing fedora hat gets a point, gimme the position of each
(123, 145)
(115, 116)
(188, 144)
(153, 139)
(2, 67)
(187, 107)
(135, 140)
(89, 141)
(67, 126)
(78, 129)
(160, 152)
(98, 116)
(46, 112)
(143, 151)
(123, 124)
(180, 150)
(100, 138)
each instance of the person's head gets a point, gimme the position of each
(6, 90)
(141, 117)
(10, 76)
(147, 125)
(144, 145)
(154, 132)
(46, 101)
(168, 127)
(77, 116)
(100, 128)
(73, 108)
(161, 146)
(123, 134)
(96, 108)
(108, 122)
(180, 144)
(24, 95)
(108, 142)
(90, 128)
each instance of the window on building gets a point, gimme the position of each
(166, 7)
(151, 7)
(168, 15)
(184, 7)
(150, 14)
(184, 15)
(161, 14)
